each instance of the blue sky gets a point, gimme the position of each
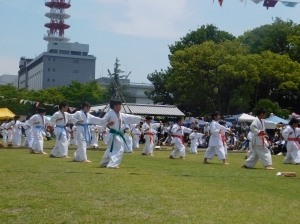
(138, 32)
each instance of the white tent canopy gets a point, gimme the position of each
(246, 118)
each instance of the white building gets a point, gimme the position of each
(136, 89)
(9, 79)
(59, 66)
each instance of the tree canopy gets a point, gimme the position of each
(211, 70)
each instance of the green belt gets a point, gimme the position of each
(115, 132)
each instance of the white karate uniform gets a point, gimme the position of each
(105, 136)
(115, 148)
(149, 136)
(61, 133)
(215, 144)
(38, 131)
(74, 140)
(16, 131)
(136, 137)
(259, 149)
(129, 140)
(9, 132)
(292, 147)
(29, 134)
(95, 135)
(194, 142)
(83, 133)
(4, 131)
(249, 137)
(177, 140)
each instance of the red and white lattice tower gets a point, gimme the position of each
(57, 17)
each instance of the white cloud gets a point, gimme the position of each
(151, 19)
(9, 65)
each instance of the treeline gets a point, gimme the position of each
(212, 69)
(24, 101)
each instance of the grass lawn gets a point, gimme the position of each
(39, 189)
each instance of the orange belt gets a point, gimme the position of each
(181, 138)
(262, 138)
(223, 138)
(151, 137)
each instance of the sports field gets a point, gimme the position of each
(39, 189)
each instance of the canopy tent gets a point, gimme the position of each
(277, 119)
(234, 118)
(6, 114)
(246, 118)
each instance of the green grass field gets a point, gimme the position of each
(39, 189)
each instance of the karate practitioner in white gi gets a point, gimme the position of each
(128, 139)
(28, 132)
(4, 131)
(95, 135)
(16, 125)
(116, 143)
(259, 142)
(291, 135)
(60, 119)
(38, 121)
(136, 137)
(216, 142)
(178, 131)
(194, 141)
(149, 132)
(9, 128)
(83, 132)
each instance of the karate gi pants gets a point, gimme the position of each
(17, 139)
(113, 159)
(293, 153)
(148, 148)
(194, 148)
(179, 148)
(38, 140)
(259, 152)
(9, 136)
(249, 153)
(129, 144)
(80, 153)
(4, 134)
(136, 142)
(94, 141)
(211, 151)
(61, 146)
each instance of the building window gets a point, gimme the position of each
(53, 59)
(53, 80)
(48, 80)
(75, 61)
(48, 59)
(84, 53)
(75, 71)
(75, 52)
(55, 44)
(54, 70)
(64, 52)
(48, 69)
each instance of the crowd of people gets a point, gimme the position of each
(121, 133)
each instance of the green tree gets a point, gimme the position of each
(272, 107)
(160, 94)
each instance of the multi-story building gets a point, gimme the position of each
(59, 66)
(137, 90)
(63, 62)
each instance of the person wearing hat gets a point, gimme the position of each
(259, 142)
(116, 143)
(178, 131)
(216, 143)
(290, 134)
(83, 131)
(149, 132)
